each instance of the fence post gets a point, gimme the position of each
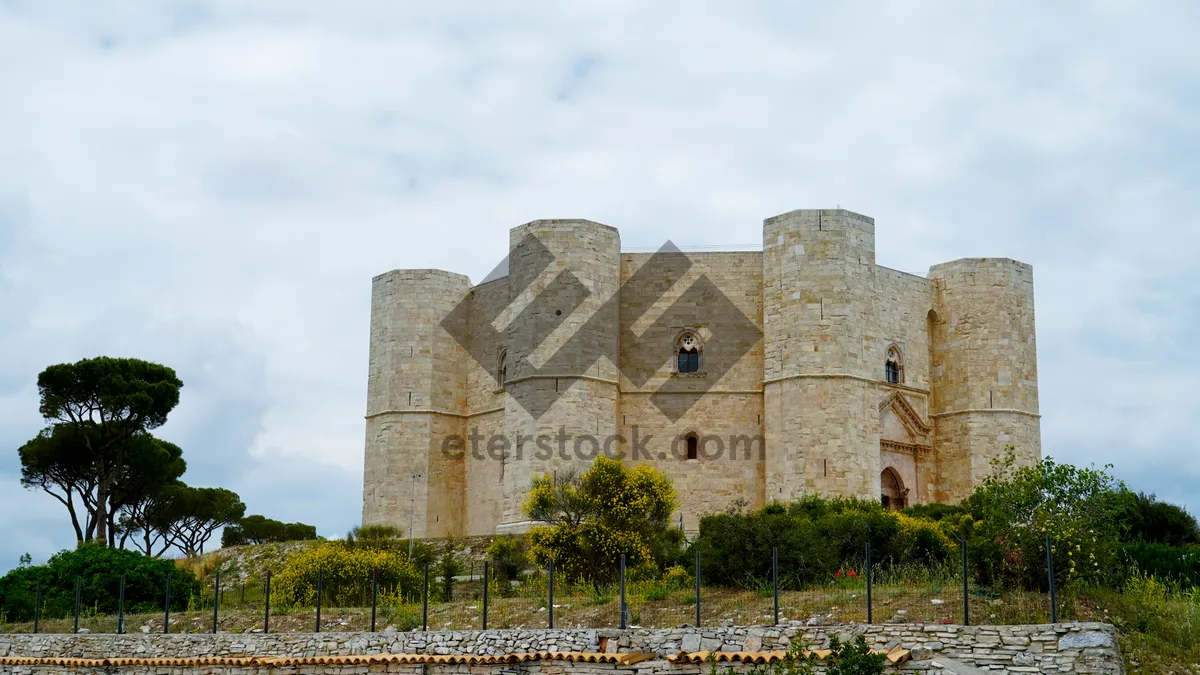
(320, 577)
(78, 592)
(374, 596)
(550, 605)
(622, 600)
(121, 607)
(1050, 573)
(216, 600)
(869, 617)
(486, 570)
(966, 591)
(697, 588)
(243, 600)
(37, 605)
(775, 581)
(167, 607)
(267, 605)
(425, 601)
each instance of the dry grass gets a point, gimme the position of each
(649, 605)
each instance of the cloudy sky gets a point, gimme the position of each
(212, 186)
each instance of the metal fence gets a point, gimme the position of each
(862, 591)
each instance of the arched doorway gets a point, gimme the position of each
(891, 489)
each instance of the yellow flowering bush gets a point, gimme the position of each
(345, 576)
(590, 520)
(922, 540)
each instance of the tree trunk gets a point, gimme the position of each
(102, 508)
(74, 518)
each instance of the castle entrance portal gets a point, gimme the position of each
(891, 488)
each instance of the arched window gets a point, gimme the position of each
(891, 488)
(689, 347)
(893, 367)
(502, 368)
(693, 446)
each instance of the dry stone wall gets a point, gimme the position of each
(1056, 648)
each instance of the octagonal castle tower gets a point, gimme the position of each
(866, 381)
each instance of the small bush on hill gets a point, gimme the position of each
(374, 535)
(101, 568)
(388, 538)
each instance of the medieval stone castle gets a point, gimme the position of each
(856, 380)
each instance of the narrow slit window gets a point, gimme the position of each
(502, 369)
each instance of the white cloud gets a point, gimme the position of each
(213, 185)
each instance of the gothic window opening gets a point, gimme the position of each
(693, 446)
(688, 354)
(893, 367)
(502, 368)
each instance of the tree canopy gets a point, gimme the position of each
(104, 402)
(191, 515)
(262, 530)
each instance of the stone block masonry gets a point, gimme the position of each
(863, 381)
(1056, 648)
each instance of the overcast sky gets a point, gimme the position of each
(212, 187)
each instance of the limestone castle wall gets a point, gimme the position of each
(729, 411)
(808, 406)
(485, 405)
(586, 265)
(416, 395)
(984, 368)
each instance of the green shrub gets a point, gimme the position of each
(853, 658)
(1176, 564)
(447, 568)
(815, 538)
(657, 592)
(1079, 508)
(508, 562)
(934, 511)
(374, 535)
(101, 569)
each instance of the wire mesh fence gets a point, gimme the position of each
(862, 590)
